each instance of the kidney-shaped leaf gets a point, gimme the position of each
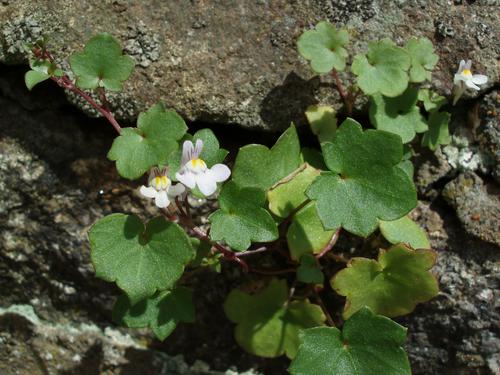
(140, 259)
(157, 134)
(101, 64)
(368, 345)
(398, 115)
(267, 325)
(161, 312)
(391, 286)
(324, 47)
(260, 167)
(384, 69)
(423, 59)
(364, 183)
(241, 218)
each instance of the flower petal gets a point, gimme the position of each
(471, 85)
(220, 172)
(161, 199)
(197, 149)
(148, 191)
(175, 190)
(461, 66)
(458, 78)
(187, 152)
(206, 183)
(468, 64)
(187, 178)
(479, 79)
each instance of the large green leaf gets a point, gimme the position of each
(391, 286)
(161, 313)
(257, 166)
(423, 59)
(241, 218)
(323, 122)
(438, 133)
(364, 183)
(289, 192)
(398, 115)
(306, 234)
(384, 69)
(101, 64)
(405, 230)
(368, 345)
(157, 134)
(267, 324)
(140, 259)
(324, 47)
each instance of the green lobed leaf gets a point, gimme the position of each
(161, 313)
(391, 286)
(101, 64)
(399, 115)
(438, 133)
(309, 270)
(306, 234)
(369, 344)
(241, 218)
(322, 120)
(268, 325)
(33, 77)
(423, 59)
(384, 69)
(141, 260)
(405, 230)
(289, 193)
(156, 137)
(364, 183)
(260, 167)
(432, 101)
(211, 153)
(324, 47)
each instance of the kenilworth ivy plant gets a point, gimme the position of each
(281, 210)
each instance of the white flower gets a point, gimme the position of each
(194, 171)
(160, 188)
(464, 79)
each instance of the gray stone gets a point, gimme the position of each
(236, 62)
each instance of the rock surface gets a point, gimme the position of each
(236, 62)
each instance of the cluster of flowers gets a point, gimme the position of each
(194, 172)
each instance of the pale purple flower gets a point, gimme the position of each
(194, 171)
(160, 188)
(464, 79)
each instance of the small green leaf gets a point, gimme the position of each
(365, 184)
(157, 134)
(257, 166)
(140, 259)
(289, 192)
(324, 47)
(405, 230)
(161, 313)
(306, 234)
(309, 270)
(383, 69)
(407, 167)
(101, 64)
(423, 59)
(241, 218)
(32, 78)
(204, 257)
(211, 153)
(369, 344)
(323, 122)
(432, 101)
(438, 133)
(268, 325)
(391, 286)
(398, 115)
